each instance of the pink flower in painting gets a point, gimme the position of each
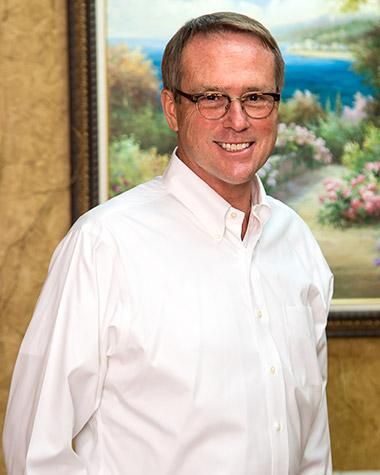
(366, 194)
(359, 179)
(372, 205)
(331, 184)
(332, 195)
(351, 199)
(346, 193)
(295, 138)
(350, 214)
(371, 186)
(373, 167)
(356, 204)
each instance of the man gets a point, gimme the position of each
(181, 329)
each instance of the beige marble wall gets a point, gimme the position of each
(34, 160)
(354, 402)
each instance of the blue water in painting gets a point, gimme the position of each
(323, 77)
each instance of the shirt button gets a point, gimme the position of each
(277, 426)
(273, 370)
(233, 215)
(259, 313)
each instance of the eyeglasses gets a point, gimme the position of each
(215, 105)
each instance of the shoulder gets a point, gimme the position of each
(102, 229)
(286, 225)
(118, 212)
(287, 219)
(296, 239)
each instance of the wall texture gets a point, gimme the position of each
(34, 160)
(35, 214)
(354, 402)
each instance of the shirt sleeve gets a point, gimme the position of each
(61, 365)
(317, 452)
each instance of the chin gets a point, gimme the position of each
(239, 177)
(237, 180)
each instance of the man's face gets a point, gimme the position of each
(232, 63)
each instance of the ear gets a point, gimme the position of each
(169, 107)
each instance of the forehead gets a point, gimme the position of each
(227, 59)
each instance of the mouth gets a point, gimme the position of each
(234, 147)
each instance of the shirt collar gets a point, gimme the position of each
(207, 205)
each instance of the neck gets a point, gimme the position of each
(239, 196)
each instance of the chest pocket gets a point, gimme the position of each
(302, 346)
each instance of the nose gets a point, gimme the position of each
(236, 118)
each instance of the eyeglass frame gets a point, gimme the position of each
(195, 99)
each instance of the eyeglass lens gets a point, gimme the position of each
(214, 106)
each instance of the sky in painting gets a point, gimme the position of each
(161, 18)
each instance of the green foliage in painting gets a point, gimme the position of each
(135, 109)
(336, 131)
(367, 63)
(132, 81)
(302, 108)
(148, 127)
(129, 165)
(356, 156)
(351, 5)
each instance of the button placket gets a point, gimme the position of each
(276, 402)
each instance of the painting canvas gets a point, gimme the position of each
(326, 163)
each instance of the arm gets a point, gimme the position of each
(317, 453)
(61, 365)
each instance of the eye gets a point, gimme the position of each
(213, 97)
(253, 97)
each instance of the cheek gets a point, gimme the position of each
(195, 132)
(268, 130)
(187, 124)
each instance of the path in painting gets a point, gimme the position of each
(349, 252)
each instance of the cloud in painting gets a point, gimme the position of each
(160, 19)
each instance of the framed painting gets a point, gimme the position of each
(326, 161)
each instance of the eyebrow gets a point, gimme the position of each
(215, 88)
(206, 88)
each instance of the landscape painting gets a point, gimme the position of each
(326, 162)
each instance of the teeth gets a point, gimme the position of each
(234, 147)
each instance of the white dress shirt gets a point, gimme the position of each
(163, 344)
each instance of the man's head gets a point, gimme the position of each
(220, 22)
(235, 58)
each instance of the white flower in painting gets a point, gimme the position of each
(357, 112)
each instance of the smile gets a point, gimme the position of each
(234, 147)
